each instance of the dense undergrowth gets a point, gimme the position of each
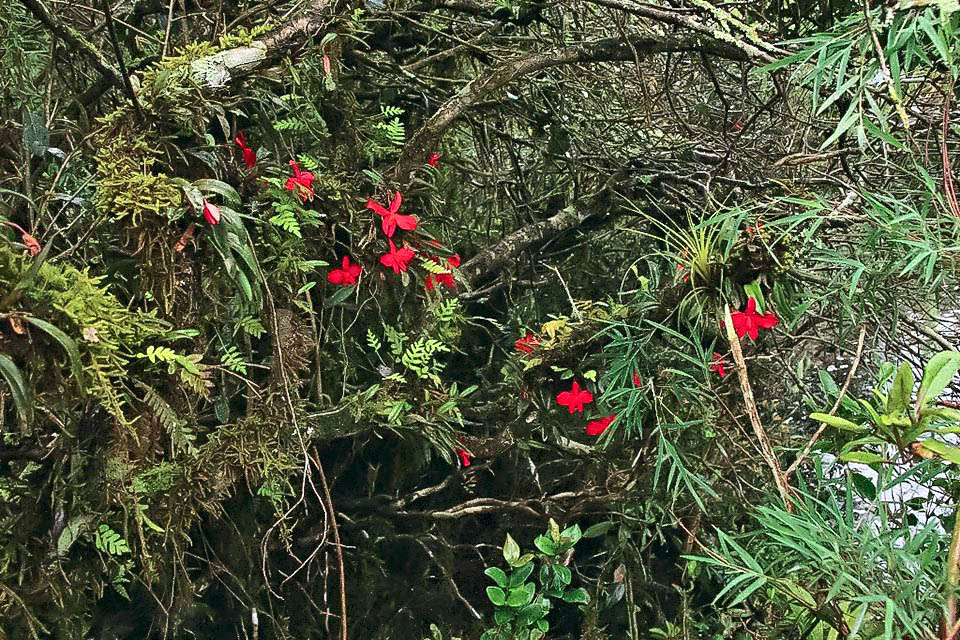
(478, 319)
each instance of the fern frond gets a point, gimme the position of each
(109, 541)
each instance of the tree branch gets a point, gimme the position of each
(667, 16)
(424, 141)
(75, 40)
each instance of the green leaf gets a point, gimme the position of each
(497, 596)
(503, 616)
(901, 392)
(511, 550)
(865, 457)
(339, 296)
(520, 575)
(36, 136)
(564, 575)
(18, 390)
(76, 527)
(834, 421)
(945, 451)
(524, 559)
(222, 188)
(531, 613)
(545, 544)
(865, 486)
(521, 596)
(498, 576)
(937, 375)
(67, 343)
(743, 595)
(571, 535)
(597, 530)
(848, 120)
(579, 596)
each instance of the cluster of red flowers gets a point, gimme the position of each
(747, 322)
(397, 258)
(444, 278)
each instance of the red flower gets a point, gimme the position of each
(636, 379)
(445, 278)
(301, 182)
(751, 229)
(211, 212)
(28, 240)
(527, 344)
(680, 267)
(33, 246)
(575, 398)
(597, 427)
(346, 275)
(464, 456)
(433, 159)
(750, 322)
(719, 362)
(392, 219)
(397, 259)
(249, 155)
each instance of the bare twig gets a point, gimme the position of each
(836, 404)
(766, 449)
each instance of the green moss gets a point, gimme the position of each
(106, 332)
(127, 186)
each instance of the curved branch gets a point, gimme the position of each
(666, 16)
(504, 252)
(425, 139)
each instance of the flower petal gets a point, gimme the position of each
(407, 223)
(396, 202)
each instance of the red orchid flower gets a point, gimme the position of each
(392, 219)
(346, 275)
(754, 229)
(527, 344)
(719, 362)
(249, 155)
(636, 379)
(445, 278)
(211, 212)
(575, 398)
(33, 246)
(680, 267)
(434, 160)
(750, 322)
(31, 243)
(397, 259)
(464, 456)
(597, 427)
(301, 182)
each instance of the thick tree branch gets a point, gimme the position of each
(505, 252)
(221, 67)
(424, 141)
(666, 16)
